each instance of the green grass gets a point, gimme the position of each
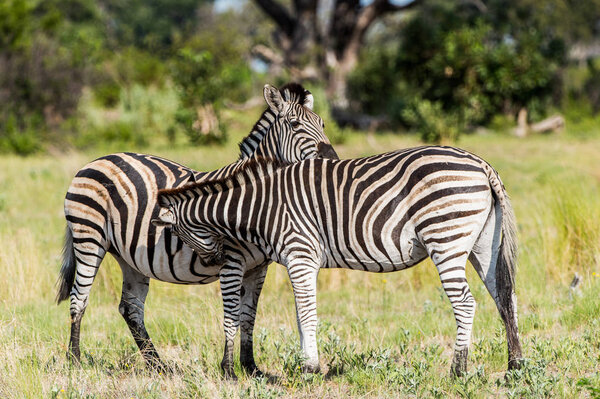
(379, 335)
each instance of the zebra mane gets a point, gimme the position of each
(291, 92)
(250, 170)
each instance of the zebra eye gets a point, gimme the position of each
(294, 123)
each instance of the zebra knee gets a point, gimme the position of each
(77, 308)
(131, 312)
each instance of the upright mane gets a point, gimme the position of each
(291, 92)
(251, 169)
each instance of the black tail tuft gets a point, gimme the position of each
(67, 271)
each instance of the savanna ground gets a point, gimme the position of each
(380, 335)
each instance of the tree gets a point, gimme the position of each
(325, 49)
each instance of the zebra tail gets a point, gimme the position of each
(67, 271)
(507, 258)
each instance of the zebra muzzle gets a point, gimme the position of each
(326, 151)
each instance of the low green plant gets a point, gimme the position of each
(432, 122)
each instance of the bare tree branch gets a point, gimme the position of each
(387, 6)
(478, 4)
(279, 14)
(267, 54)
(370, 13)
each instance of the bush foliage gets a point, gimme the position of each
(460, 68)
(441, 69)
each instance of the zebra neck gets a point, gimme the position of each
(225, 171)
(251, 143)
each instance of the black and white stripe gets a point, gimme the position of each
(380, 214)
(111, 202)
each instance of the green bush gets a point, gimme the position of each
(208, 70)
(433, 124)
(464, 64)
(19, 140)
(141, 115)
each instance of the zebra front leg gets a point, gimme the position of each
(304, 282)
(231, 284)
(131, 307)
(454, 281)
(251, 287)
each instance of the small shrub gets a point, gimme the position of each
(107, 93)
(22, 141)
(433, 124)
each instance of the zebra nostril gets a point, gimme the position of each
(326, 151)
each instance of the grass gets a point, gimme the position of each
(379, 335)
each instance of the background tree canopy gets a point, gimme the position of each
(86, 72)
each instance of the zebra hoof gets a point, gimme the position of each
(516, 364)
(74, 358)
(160, 367)
(253, 371)
(459, 363)
(311, 368)
(230, 376)
(228, 372)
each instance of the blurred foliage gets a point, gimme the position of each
(154, 25)
(465, 64)
(141, 116)
(46, 49)
(442, 69)
(209, 68)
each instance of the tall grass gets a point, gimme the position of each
(571, 242)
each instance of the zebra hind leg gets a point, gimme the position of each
(131, 307)
(250, 292)
(87, 257)
(231, 283)
(486, 258)
(451, 268)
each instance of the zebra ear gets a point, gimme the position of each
(273, 98)
(309, 101)
(166, 218)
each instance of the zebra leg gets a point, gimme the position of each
(451, 268)
(88, 256)
(131, 307)
(485, 258)
(231, 285)
(251, 287)
(304, 282)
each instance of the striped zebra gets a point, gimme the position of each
(111, 201)
(380, 214)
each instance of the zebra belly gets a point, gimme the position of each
(378, 261)
(183, 268)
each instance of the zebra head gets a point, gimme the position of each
(297, 132)
(207, 244)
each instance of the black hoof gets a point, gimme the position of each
(459, 363)
(160, 367)
(456, 371)
(311, 369)
(516, 364)
(253, 371)
(74, 358)
(228, 372)
(230, 376)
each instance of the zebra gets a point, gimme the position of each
(111, 201)
(380, 214)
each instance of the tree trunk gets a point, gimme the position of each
(331, 56)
